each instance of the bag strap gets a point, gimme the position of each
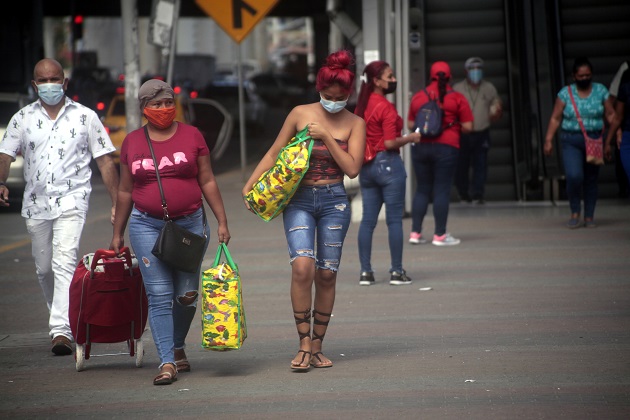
(223, 249)
(579, 118)
(577, 113)
(426, 92)
(159, 182)
(299, 137)
(157, 174)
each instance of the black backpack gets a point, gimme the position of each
(429, 118)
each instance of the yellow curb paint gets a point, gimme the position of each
(14, 245)
(23, 242)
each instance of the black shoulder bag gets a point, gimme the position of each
(176, 246)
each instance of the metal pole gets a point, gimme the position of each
(241, 114)
(402, 54)
(129, 14)
(171, 56)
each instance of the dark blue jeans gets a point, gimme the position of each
(434, 165)
(473, 151)
(581, 177)
(382, 181)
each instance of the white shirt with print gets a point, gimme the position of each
(57, 155)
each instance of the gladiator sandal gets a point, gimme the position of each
(304, 363)
(317, 322)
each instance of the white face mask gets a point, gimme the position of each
(50, 93)
(332, 106)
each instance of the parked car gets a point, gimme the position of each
(279, 89)
(93, 87)
(225, 91)
(213, 121)
(10, 104)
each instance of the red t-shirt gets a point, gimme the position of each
(177, 159)
(455, 106)
(382, 122)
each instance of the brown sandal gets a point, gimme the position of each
(182, 365)
(168, 375)
(304, 363)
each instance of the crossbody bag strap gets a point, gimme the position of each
(157, 174)
(577, 113)
(159, 182)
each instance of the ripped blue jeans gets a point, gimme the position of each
(317, 213)
(172, 294)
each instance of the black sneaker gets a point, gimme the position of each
(399, 278)
(366, 279)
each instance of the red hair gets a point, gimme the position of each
(336, 71)
(373, 70)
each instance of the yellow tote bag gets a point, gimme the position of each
(273, 190)
(223, 325)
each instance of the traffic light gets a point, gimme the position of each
(77, 27)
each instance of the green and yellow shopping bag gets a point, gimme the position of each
(223, 325)
(273, 190)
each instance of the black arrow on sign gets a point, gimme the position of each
(237, 12)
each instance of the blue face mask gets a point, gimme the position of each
(333, 106)
(50, 93)
(475, 75)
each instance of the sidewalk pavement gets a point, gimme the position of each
(523, 319)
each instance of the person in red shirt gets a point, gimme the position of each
(383, 178)
(435, 159)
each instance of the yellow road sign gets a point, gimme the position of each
(236, 17)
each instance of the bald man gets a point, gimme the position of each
(58, 138)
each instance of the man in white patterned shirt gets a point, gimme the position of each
(57, 138)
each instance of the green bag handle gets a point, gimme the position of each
(300, 137)
(223, 249)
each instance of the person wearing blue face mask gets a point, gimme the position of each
(486, 106)
(317, 218)
(58, 139)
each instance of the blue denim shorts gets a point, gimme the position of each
(319, 213)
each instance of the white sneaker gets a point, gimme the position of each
(445, 240)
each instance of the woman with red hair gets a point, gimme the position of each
(435, 159)
(382, 178)
(317, 218)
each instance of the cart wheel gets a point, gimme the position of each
(79, 356)
(139, 352)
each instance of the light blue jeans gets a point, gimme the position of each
(318, 213)
(172, 294)
(382, 181)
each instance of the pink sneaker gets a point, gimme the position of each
(416, 238)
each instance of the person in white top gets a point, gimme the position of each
(58, 138)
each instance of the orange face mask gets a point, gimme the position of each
(162, 118)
